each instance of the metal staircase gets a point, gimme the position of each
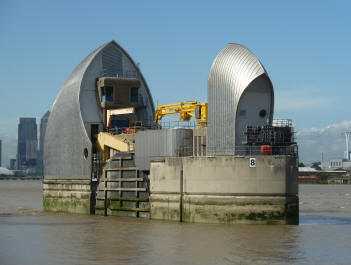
(122, 189)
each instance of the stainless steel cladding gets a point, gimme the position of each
(76, 111)
(236, 77)
(155, 144)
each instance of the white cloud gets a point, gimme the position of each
(329, 141)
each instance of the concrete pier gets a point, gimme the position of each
(225, 189)
(71, 196)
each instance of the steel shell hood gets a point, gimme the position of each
(76, 109)
(232, 72)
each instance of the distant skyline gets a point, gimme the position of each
(304, 46)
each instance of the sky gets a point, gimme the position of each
(304, 46)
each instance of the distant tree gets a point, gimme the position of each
(301, 164)
(315, 165)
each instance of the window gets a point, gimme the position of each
(107, 93)
(263, 113)
(134, 94)
(94, 129)
(85, 153)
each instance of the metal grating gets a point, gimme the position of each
(112, 62)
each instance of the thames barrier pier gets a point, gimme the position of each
(107, 151)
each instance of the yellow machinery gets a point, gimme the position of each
(187, 110)
(135, 126)
(106, 141)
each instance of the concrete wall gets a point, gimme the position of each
(165, 187)
(71, 196)
(225, 189)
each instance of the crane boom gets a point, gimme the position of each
(187, 110)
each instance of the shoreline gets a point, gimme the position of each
(21, 178)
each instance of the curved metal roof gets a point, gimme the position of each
(76, 108)
(232, 71)
(139, 74)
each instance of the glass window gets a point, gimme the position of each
(107, 93)
(134, 94)
(263, 113)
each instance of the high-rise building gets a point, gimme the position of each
(43, 124)
(27, 147)
(0, 152)
(12, 164)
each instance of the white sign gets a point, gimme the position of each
(252, 162)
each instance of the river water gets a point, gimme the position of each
(29, 236)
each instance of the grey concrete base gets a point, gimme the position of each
(225, 190)
(239, 209)
(165, 207)
(71, 196)
(225, 209)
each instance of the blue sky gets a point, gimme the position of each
(304, 45)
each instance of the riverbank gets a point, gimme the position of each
(315, 180)
(2, 177)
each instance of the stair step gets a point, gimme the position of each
(128, 199)
(124, 199)
(121, 169)
(121, 158)
(115, 208)
(121, 189)
(121, 179)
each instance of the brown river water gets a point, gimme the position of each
(29, 236)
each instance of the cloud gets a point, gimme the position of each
(328, 142)
(301, 99)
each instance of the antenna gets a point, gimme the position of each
(347, 135)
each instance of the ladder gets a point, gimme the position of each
(123, 189)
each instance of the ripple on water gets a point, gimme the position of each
(323, 220)
(20, 211)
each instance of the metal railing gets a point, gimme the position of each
(131, 129)
(253, 150)
(241, 150)
(153, 126)
(177, 124)
(282, 123)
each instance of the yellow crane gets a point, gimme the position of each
(187, 110)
